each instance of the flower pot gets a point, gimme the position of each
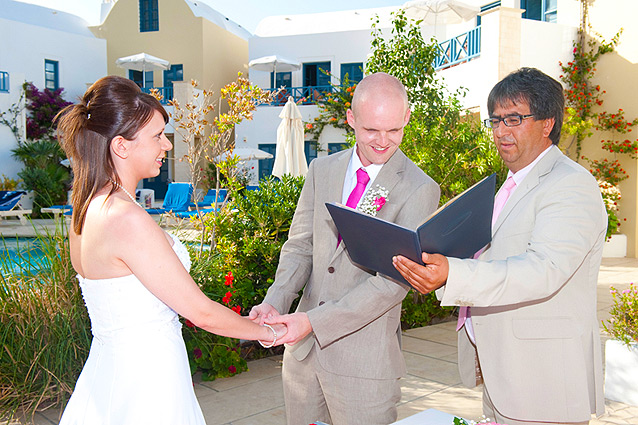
(621, 370)
(616, 246)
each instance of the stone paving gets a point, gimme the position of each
(256, 397)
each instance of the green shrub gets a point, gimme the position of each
(45, 331)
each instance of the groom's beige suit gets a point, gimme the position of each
(355, 314)
(533, 298)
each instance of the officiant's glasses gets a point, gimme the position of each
(509, 121)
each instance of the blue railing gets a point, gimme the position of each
(459, 49)
(4, 82)
(307, 95)
(165, 92)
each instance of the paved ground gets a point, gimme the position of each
(255, 397)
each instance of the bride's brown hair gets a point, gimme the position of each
(112, 106)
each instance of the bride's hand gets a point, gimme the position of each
(281, 330)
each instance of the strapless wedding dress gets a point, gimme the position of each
(137, 371)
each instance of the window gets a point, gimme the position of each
(336, 147)
(149, 15)
(487, 7)
(51, 79)
(265, 165)
(175, 73)
(540, 10)
(310, 150)
(313, 75)
(4, 82)
(283, 79)
(353, 70)
(136, 76)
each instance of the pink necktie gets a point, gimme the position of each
(499, 203)
(353, 200)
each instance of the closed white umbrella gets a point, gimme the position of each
(289, 156)
(143, 62)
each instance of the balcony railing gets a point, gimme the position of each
(165, 92)
(459, 49)
(307, 95)
(4, 82)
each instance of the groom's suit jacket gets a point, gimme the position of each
(355, 314)
(532, 295)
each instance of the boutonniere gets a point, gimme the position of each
(374, 200)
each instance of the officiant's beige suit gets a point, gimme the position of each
(355, 314)
(534, 306)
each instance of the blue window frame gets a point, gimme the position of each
(4, 82)
(51, 75)
(336, 147)
(175, 73)
(313, 76)
(283, 79)
(136, 76)
(550, 8)
(487, 7)
(310, 150)
(265, 165)
(540, 10)
(353, 70)
(149, 15)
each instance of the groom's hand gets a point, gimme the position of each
(259, 313)
(426, 278)
(298, 327)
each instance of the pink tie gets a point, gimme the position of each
(353, 200)
(499, 203)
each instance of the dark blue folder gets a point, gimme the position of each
(459, 229)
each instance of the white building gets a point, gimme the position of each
(49, 48)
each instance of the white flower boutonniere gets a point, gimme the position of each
(374, 200)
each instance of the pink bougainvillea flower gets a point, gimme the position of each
(197, 353)
(232, 369)
(229, 279)
(379, 202)
(237, 309)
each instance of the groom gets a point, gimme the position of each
(343, 360)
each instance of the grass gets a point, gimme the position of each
(44, 328)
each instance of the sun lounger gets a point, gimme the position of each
(57, 210)
(10, 205)
(177, 199)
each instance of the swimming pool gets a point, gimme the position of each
(20, 255)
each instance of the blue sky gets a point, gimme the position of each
(247, 13)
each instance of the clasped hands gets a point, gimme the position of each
(297, 324)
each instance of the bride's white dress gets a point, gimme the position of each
(137, 371)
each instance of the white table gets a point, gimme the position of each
(428, 417)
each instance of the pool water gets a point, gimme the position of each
(19, 255)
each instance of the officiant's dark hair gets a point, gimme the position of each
(542, 93)
(112, 106)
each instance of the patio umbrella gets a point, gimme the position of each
(290, 157)
(444, 12)
(245, 154)
(142, 62)
(273, 64)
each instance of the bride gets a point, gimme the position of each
(133, 275)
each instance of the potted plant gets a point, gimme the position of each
(621, 351)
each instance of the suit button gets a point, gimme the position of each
(331, 269)
(322, 302)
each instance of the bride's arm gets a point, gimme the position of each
(142, 245)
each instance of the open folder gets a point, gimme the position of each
(459, 229)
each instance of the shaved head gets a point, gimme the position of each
(377, 86)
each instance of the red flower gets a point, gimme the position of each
(237, 309)
(232, 369)
(229, 279)
(197, 353)
(189, 324)
(227, 297)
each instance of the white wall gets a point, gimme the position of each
(81, 60)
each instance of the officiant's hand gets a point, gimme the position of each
(298, 326)
(426, 278)
(259, 313)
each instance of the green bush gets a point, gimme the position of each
(45, 331)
